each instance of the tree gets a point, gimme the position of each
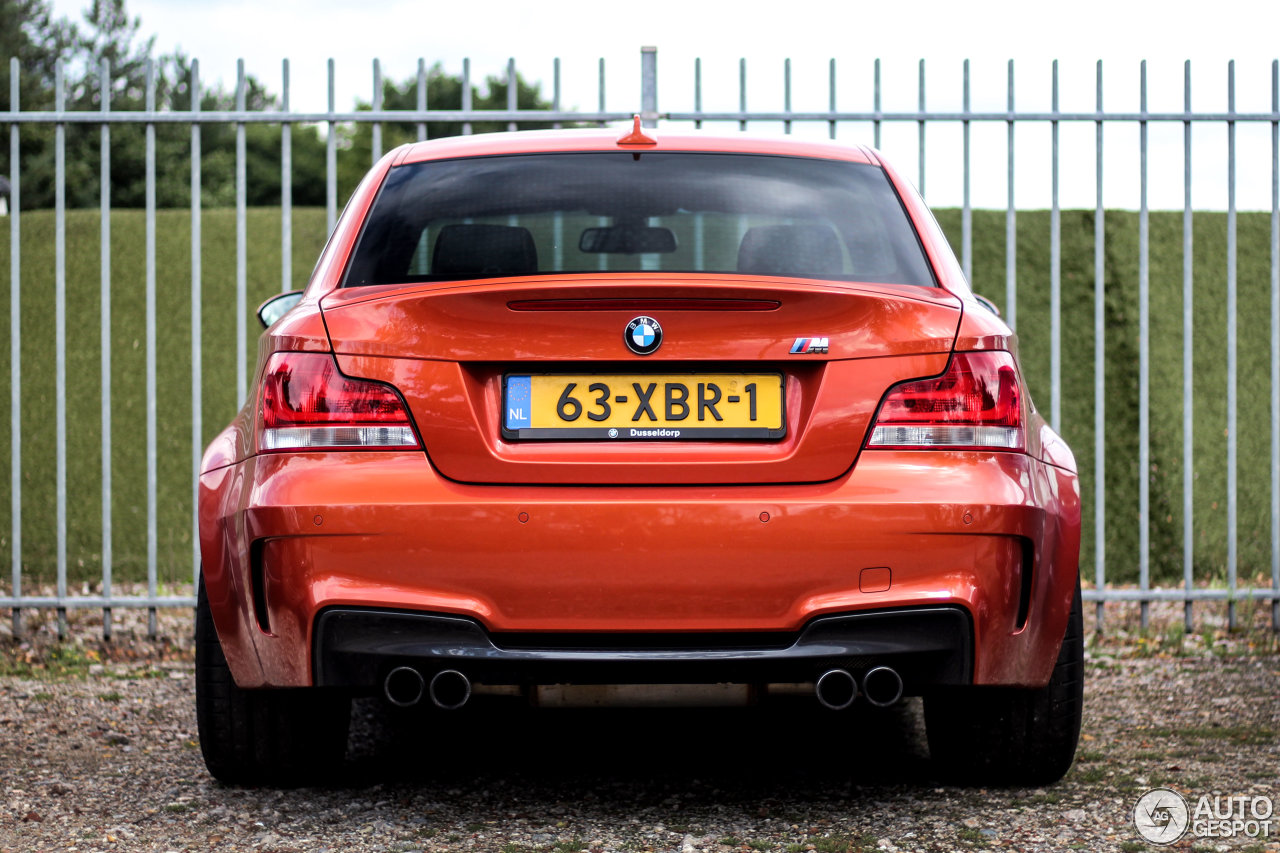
(109, 34)
(29, 33)
(262, 148)
(444, 92)
(40, 43)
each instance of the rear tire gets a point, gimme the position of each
(1012, 736)
(265, 736)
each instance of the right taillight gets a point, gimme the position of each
(976, 404)
(307, 404)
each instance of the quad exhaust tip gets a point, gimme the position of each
(404, 686)
(882, 686)
(449, 689)
(836, 689)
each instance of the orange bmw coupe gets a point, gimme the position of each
(589, 418)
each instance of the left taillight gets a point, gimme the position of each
(307, 404)
(976, 404)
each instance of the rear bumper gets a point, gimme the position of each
(288, 537)
(356, 648)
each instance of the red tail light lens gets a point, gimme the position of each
(307, 404)
(977, 403)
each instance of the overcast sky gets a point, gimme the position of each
(810, 33)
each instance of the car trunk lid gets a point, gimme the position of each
(453, 349)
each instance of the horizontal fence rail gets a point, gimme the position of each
(1223, 583)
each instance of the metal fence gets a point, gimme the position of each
(647, 106)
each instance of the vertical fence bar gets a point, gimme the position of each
(286, 184)
(422, 95)
(555, 93)
(697, 92)
(966, 215)
(376, 135)
(466, 94)
(104, 330)
(1011, 229)
(1055, 277)
(920, 131)
(1099, 373)
(786, 93)
(742, 92)
(699, 243)
(60, 338)
(197, 326)
(242, 367)
(1275, 346)
(1144, 362)
(831, 97)
(602, 262)
(1188, 360)
(513, 102)
(152, 463)
(1232, 423)
(600, 90)
(331, 160)
(15, 347)
(875, 124)
(649, 85)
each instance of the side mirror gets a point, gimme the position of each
(277, 306)
(987, 303)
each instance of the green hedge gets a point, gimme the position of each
(174, 382)
(128, 362)
(1209, 350)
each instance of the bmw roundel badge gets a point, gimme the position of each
(643, 335)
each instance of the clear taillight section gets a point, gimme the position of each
(307, 404)
(976, 404)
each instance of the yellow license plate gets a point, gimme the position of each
(643, 407)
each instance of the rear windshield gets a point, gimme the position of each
(590, 212)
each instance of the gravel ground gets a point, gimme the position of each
(98, 752)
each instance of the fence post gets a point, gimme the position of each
(1144, 360)
(331, 160)
(242, 242)
(1275, 345)
(60, 339)
(1188, 361)
(197, 321)
(1099, 372)
(15, 346)
(152, 329)
(286, 186)
(649, 86)
(1232, 355)
(513, 92)
(104, 333)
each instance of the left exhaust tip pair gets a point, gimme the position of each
(448, 689)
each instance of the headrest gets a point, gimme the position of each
(797, 250)
(481, 251)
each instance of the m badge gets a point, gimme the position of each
(810, 346)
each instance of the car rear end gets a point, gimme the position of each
(587, 420)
